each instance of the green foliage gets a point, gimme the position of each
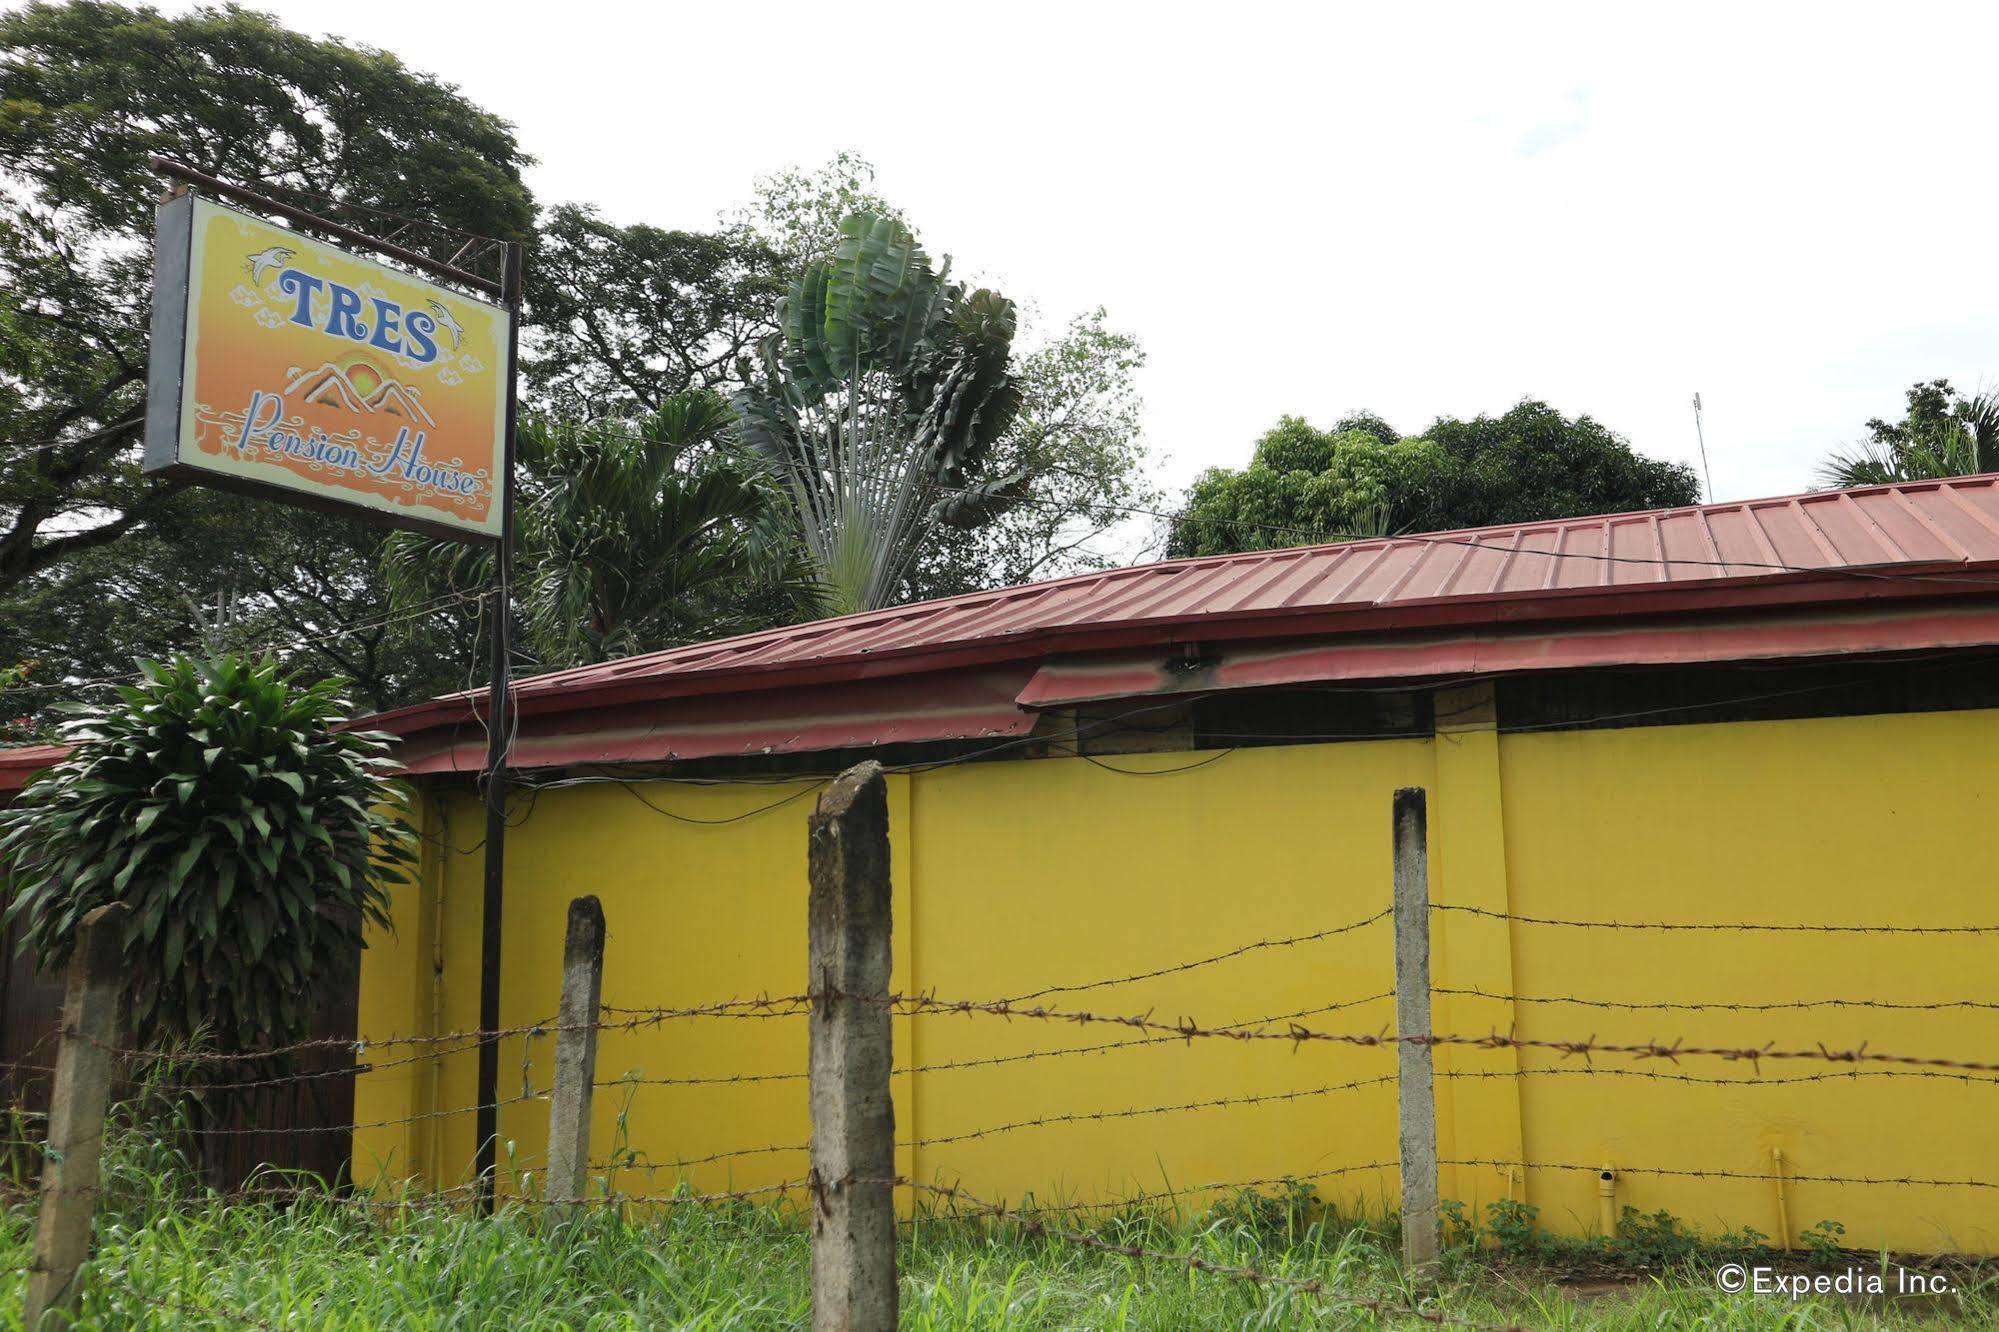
(251, 840)
(167, 1253)
(97, 563)
(626, 317)
(1511, 1224)
(1943, 433)
(1077, 439)
(633, 534)
(92, 89)
(1823, 1241)
(1646, 1241)
(878, 405)
(1304, 485)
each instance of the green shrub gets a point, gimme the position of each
(251, 840)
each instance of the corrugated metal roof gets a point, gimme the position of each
(1823, 546)
(1882, 569)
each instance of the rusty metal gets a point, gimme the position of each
(1931, 540)
(1188, 1029)
(1717, 1006)
(167, 166)
(1259, 945)
(1725, 926)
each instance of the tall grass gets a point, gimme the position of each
(170, 1254)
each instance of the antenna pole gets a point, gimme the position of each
(1701, 435)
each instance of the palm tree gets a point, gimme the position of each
(1944, 434)
(631, 534)
(879, 401)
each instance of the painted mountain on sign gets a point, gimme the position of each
(359, 388)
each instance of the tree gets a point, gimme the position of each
(796, 214)
(633, 534)
(251, 839)
(878, 406)
(625, 317)
(1078, 438)
(1943, 433)
(218, 573)
(1304, 485)
(92, 89)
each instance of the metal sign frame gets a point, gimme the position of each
(174, 316)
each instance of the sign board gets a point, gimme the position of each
(284, 366)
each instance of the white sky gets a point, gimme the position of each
(1310, 209)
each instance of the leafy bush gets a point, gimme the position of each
(250, 839)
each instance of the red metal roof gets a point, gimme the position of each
(1798, 575)
(1919, 540)
(20, 762)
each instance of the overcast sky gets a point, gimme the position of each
(1308, 209)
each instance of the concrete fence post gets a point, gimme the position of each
(853, 1117)
(1415, 1065)
(84, 1066)
(575, 1051)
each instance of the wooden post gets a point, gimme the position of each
(853, 1116)
(1415, 1072)
(84, 1063)
(575, 1051)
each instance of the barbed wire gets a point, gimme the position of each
(1724, 926)
(1259, 945)
(1137, 1112)
(1849, 1075)
(712, 1158)
(1723, 1006)
(1691, 1172)
(1188, 1029)
(761, 1007)
(986, 1061)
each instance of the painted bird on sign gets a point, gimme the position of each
(262, 264)
(449, 324)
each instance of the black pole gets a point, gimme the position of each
(497, 738)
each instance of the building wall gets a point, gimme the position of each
(1019, 877)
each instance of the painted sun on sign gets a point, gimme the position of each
(282, 364)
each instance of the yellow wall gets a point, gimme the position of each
(1016, 876)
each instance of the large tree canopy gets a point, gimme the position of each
(626, 317)
(92, 90)
(97, 563)
(1305, 485)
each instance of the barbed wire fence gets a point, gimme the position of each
(846, 1180)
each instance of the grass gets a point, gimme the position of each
(201, 1262)
(169, 1254)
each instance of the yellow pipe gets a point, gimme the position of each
(435, 856)
(1783, 1200)
(1606, 1202)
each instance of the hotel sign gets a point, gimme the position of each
(289, 368)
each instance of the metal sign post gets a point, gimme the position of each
(393, 425)
(498, 732)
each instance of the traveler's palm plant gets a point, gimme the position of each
(878, 404)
